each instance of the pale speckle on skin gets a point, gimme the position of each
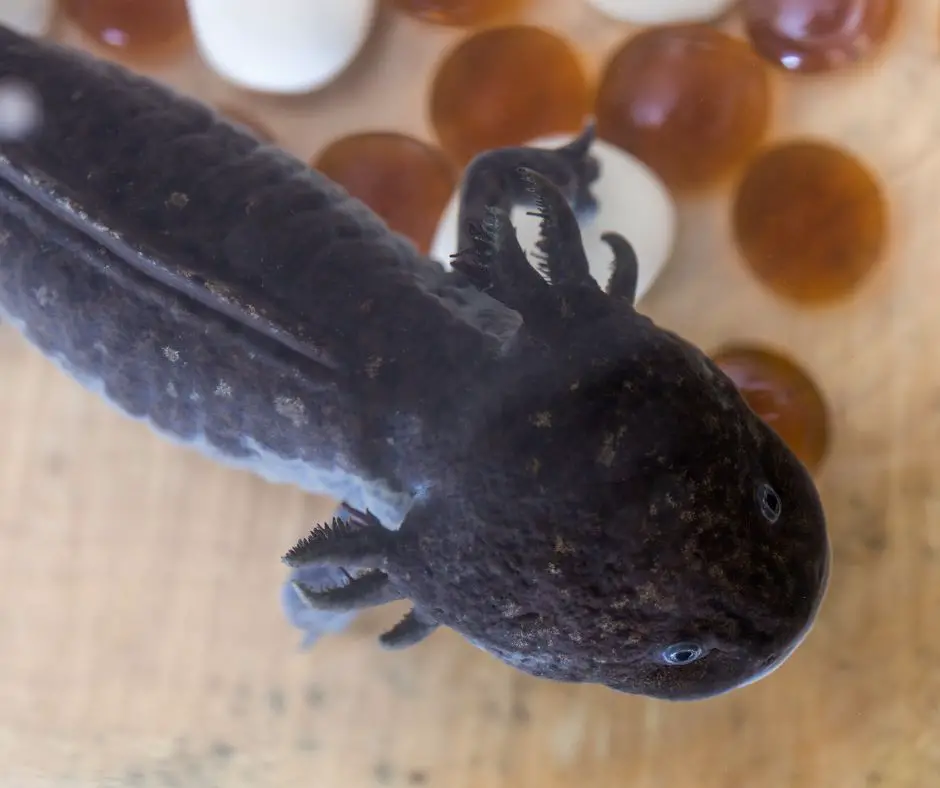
(561, 546)
(607, 454)
(171, 354)
(178, 200)
(223, 389)
(648, 594)
(542, 419)
(511, 610)
(522, 639)
(44, 296)
(373, 365)
(171, 390)
(606, 623)
(195, 397)
(291, 408)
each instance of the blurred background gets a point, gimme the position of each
(142, 641)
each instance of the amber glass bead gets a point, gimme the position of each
(460, 13)
(131, 28)
(405, 181)
(783, 395)
(810, 220)
(506, 86)
(687, 100)
(812, 36)
(248, 122)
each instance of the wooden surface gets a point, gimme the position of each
(141, 641)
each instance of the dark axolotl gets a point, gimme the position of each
(527, 459)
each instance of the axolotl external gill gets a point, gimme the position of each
(530, 461)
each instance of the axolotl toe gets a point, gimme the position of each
(525, 457)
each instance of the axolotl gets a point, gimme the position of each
(528, 460)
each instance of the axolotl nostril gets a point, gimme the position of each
(526, 458)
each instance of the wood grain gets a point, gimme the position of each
(141, 641)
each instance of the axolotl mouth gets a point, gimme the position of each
(776, 661)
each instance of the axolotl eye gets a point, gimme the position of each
(771, 507)
(682, 653)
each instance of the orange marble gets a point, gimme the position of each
(131, 29)
(783, 394)
(405, 181)
(687, 100)
(810, 220)
(814, 36)
(506, 86)
(461, 13)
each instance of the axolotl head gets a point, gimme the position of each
(620, 517)
(667, 542)
(685, 543)
(689, 544)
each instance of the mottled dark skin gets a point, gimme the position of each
(576, 490)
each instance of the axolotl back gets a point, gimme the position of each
(530, 461)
